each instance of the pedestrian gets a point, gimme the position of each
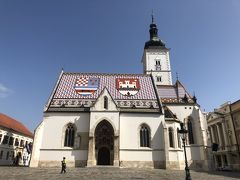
(63, 165)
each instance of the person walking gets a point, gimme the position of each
(63, 165)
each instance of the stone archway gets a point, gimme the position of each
(104, 143)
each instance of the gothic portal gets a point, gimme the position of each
(104, 143)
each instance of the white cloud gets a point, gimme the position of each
(4, 91)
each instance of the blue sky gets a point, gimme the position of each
(38, 38)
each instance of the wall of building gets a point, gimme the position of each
(131, 154)
(8, 152)
(52, 145)
(196, 153)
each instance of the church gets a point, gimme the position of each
(122, 120)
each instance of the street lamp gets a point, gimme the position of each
(183, 132)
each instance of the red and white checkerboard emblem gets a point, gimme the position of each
(86, 85)
(127, 86)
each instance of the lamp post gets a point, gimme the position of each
(183, 132)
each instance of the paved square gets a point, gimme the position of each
(102, 173)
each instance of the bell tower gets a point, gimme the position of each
(156, 58)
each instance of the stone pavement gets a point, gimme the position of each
(102, 173)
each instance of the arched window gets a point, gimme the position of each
(171, 135)
(179, 138)
(105, 102)
(144, 136)
(69, 136)
(190, 132)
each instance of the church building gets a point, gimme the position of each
(122, 120)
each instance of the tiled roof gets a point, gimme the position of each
(10, 123)
(67, 83)
(168, 113)
(173, 93)
(66, 95)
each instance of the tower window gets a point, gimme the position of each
(69, 136)
(159, 79)
(144, 136)
(158, 65)
(105, 102)
(157, 62)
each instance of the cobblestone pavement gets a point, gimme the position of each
(102, 173)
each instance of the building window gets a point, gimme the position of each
(144, 136)
(7, 155)
(22, 143)
(105, 102)
(16, 142)
(5, 139)
(1, 154)
(12, 155)
(158, 65)
(190, 132)
(11, 139)
(171, 136)
(69, 136)
(159, 78)
(179, 138)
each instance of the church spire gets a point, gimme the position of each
(154, 39)
(153, 30)
(152, 18)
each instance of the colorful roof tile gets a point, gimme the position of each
(71, 88)
(174, 93)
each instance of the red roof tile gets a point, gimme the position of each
(15, 125)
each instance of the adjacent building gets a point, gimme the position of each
(15, 142)
(224, 133)
(122, 120)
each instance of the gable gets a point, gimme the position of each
(99, 103)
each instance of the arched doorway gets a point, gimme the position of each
(104, 143)
(103, 156)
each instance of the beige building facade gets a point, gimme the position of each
(223, 128)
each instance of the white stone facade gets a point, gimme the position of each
(157, 63)
(9, 149)
(127, 129)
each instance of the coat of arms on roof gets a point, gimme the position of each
(127, 86)
(86, 85)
